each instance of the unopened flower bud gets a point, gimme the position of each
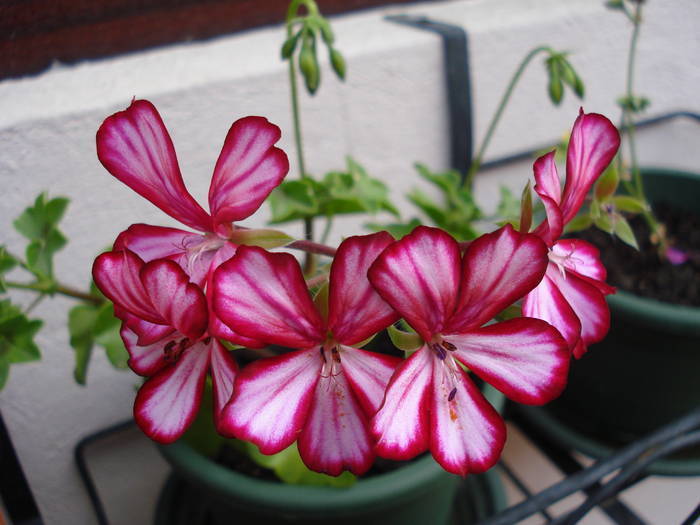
(338, 62)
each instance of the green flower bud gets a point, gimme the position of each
(338, 62)
(308, 64)
(326, 31)
(289, 46)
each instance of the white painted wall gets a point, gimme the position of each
(390, 113)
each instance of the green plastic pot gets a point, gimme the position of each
(420, 492)
(645, 373)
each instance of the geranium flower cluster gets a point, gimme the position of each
(179, 294)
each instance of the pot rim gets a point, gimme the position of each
(378, 491)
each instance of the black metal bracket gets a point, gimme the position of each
(459, 100)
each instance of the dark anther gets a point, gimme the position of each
(207, 341)
(452, 395)
(449, 346)
(335, 354)
(439, 351)
(323, 355)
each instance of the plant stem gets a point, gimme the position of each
(312, 247)
(294, 6)
(479, 157)
(628, 127)
(59, 289)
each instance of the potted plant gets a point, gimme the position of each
(642, 375)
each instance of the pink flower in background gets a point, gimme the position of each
(164, 329)
(324, 394)
(572, 293)
(431, 403)
(135, 147)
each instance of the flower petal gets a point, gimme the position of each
(587, 302)
(526, 359)
(368, 374)
(498, 269)
(146, 360)
(335, 436)
(263, 296)
(355, 309)
(216, 327)
(248, 169)
(156, 242)
(223, 374)
(271, 400)
(467, 434)
(168, 402)
(134, 146)
(593, 144)
(175, 298)
(548, 187)
(405, 276)
(117, 275)
(401, 427)
(583, 259)
(546, 302)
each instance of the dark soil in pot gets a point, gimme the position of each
(644, 272)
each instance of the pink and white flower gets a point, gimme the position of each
(571, 295)
(431, 403)
(164, 329)
(324, 394)
(135, 147)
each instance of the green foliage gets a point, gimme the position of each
(403, 340)
(39, 224)
(289, 467)
(338, 193)
(91, 325)
(7, 263)
(17, 333)
(396, 229)
(633, 104)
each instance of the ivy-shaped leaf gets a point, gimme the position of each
(39, 224)
(81, 324)
(17, 333)
(293, 200)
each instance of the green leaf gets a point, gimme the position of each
(262, 237)
(579, 223)
(604, 222)
(81, 326)
(38, 223)
(17, 333)
(293, 200)
(624, 232)
(508, 207)
(290, 468)
(406, 341)
(396, 229)
(607, 184)
(526, 209)
(4, 372)
(106, 335)
(629, 204)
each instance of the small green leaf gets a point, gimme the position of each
(526, 209)
(624, 232)
(291, 469)
(629, 204)
(81, 326)
(262, 237)
(604, 222)
(508, 207)
(579, 223)
(607, 183)
(406, 341)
